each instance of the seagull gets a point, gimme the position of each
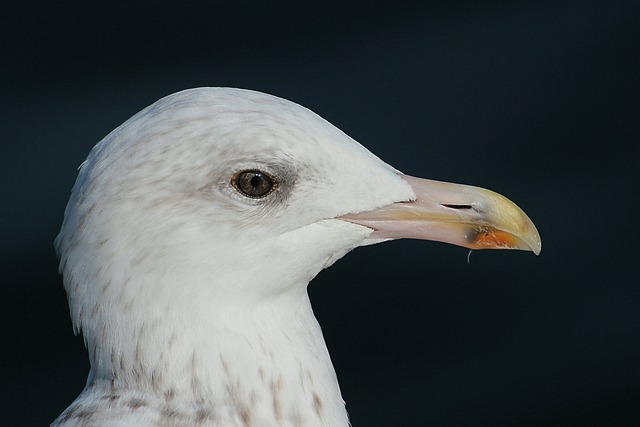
(190, 237)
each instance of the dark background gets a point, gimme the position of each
(538, 102)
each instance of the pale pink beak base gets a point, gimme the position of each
(459, 214)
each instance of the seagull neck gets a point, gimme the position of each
(272, 355)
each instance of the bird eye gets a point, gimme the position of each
(252, 183)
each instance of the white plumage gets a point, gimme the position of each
(190, 293)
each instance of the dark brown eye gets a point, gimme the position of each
(252, 183)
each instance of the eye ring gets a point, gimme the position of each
(252, 183)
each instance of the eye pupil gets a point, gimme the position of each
(257, 180)
(252, 183)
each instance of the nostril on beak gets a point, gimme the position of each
(446, 205)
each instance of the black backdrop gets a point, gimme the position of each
(537, 102)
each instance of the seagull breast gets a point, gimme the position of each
(190, 237)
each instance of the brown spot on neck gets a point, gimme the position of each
(317, 404)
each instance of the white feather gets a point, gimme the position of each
(191, 297)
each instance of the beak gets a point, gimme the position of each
(453, 213)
